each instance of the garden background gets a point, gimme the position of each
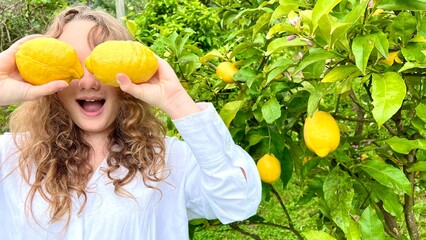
(361, 61)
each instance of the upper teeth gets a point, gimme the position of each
(90, 100)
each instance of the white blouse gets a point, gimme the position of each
(205, 181)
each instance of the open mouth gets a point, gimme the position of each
(89, 105)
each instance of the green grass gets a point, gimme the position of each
(272, 212)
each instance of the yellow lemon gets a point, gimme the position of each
(321, 133)
(392, 57)
(41, 60)
(133, 58)
(226, 71)
(269, 168)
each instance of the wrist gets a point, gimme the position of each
(181, 106)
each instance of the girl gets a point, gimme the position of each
(85, 160)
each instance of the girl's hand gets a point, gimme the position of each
(12, 87)
(163, 90)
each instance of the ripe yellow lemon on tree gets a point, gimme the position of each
(269, 168)
(133, 58)
(226, 71)
(41, 60)
(321, 133)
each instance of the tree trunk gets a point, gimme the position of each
(119, 9)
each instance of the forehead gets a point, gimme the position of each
(76, 31)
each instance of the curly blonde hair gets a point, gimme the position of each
(54, 155)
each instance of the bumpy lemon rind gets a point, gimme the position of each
(42, 60)
(132, 58)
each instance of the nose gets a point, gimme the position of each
(88, 81)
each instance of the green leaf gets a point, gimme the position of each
(229, 111)
(340, 73)
(389, 198)
(382, 44)
(362, 46)
(420, 125)
(281, 43)
(414, 52)
(261, 23)
(338, 30)
(271, 110)
(321, 8)
(420, 208)
(286, 167)
(404, 146)
(247, 75)
(281, 27)
(353, 231)
(418, 167)
(316, 55)
(412, 5)
(255, 139)
(387, 175)
(282, 11)
(371, 226)
(421, 111)
(240, 47)
(278, 67)
(338, 194)
(317, 235)
(388, 92)
(317, 94)
(403, 26)
(411, 65)
(210, 55)
(131, 26)
(298, 3)
(356, 13)
(274, 73)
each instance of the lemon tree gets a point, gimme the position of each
(361, 61)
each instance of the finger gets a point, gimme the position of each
(126, 85)
(50, 88)
(165, 71)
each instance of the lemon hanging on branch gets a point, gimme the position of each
(132, 58)
(226, 71)
(269, 168)
(321, 133)
(41, 60)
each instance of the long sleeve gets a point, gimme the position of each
(224, 183)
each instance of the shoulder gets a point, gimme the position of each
(6, 140)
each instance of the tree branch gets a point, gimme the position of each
(359, 113)
(242, 231)
(391, 226)
(410, 219)
(290, 222)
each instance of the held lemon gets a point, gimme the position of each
(226, 71)
(41, 60)
(269, 168)
(130, 57)
(321, 133)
